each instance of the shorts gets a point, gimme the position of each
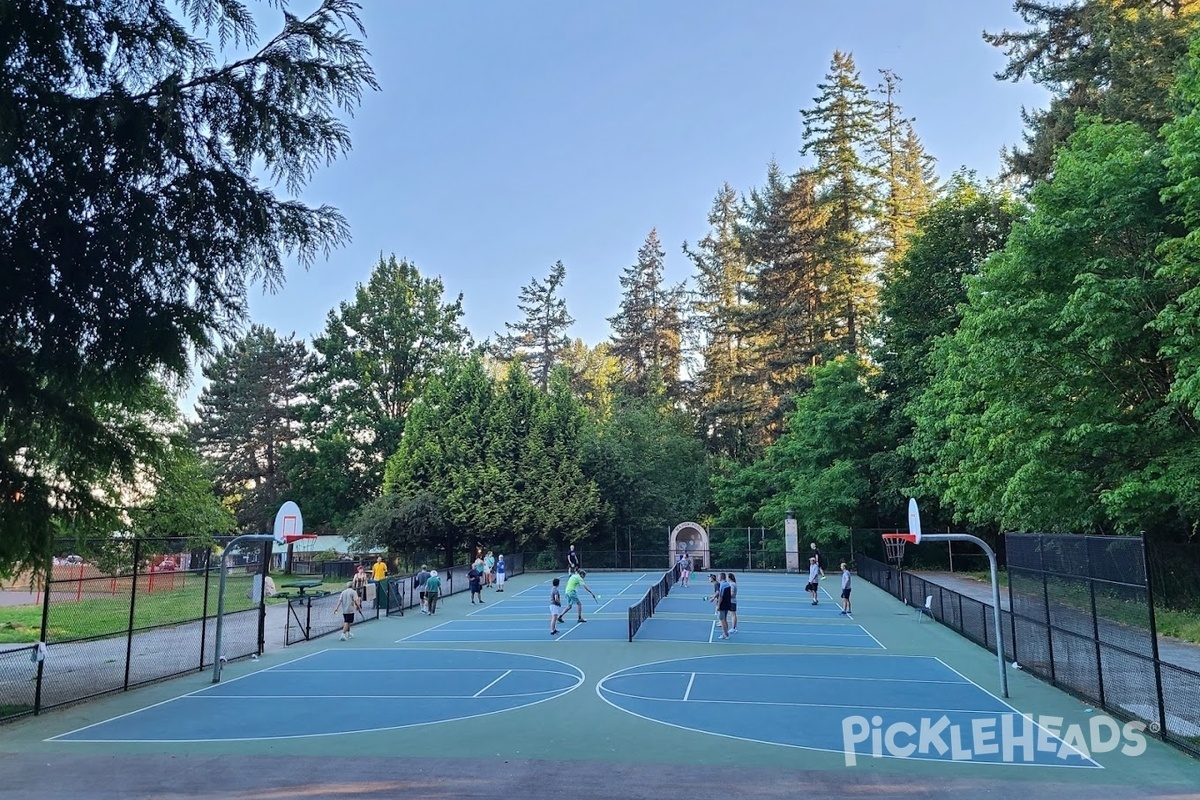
(683, 574)
(422, 594)
(500, 578)
(846, 593)
(724, 612)
(348, 617)
(811, 587)
(733, 608)
(572, 599)
(555, 610)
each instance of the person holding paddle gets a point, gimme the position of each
(573, 584)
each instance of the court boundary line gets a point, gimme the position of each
(1004, 702)
(172, 700)
(735, 737)
(805, 705)
(582, 679)
(806, 677)
(356, 697)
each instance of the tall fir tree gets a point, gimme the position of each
(839, 130)
(1112, 58)
(722, 394)
(788, 322)
(908, 180)
(539, 338)
(647, 338)
(248, 416)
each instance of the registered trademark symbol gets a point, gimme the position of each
(1155, 727)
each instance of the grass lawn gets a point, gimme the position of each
(109, 616)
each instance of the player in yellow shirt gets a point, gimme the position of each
(378, 569)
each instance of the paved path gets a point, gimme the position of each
(1171, 651)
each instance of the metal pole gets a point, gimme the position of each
(252, 537)
(996, 616)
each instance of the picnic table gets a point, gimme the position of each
(301, 586)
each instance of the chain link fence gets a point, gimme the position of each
(1082, 616)
(130, 613)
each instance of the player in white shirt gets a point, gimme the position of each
(845, 589)
(814, 575)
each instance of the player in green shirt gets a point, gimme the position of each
(573, 584)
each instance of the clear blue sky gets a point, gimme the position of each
(509, 135)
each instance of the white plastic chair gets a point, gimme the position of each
(927, 609)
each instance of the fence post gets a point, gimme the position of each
(137, 557)
(204, 607)
(263, 569)
(1046, 608)
(1012, 606)
(37, 691)
(1158, 687)
(1087, 552)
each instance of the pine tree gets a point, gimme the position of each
(722, 391)
(539, 339)
(787, 323)
(838, 131)
(1113, 58)
(647, 338)
(907, 173)
(248, 416)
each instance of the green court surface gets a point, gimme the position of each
(481, 701)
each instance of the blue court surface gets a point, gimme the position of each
(659, 629)
(913, 707)
(345, 691)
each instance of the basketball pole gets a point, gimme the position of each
(250, 537)
(996, 617)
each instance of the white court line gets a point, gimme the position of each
(507, 672)
(805, 705)
(180, 697)
(805, 677)
(438, 670)
(688, 693)
(712, 629)
(366, 697)
(1014, 709)
(868, 633)
(418, 633)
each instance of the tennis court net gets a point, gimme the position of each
(643, 609)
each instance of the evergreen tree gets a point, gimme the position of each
(1114, 58)
(539, 339)
(510, 424)
(594, 375)
(133, 218)
(248, 415)
(788, 321)
(907, 173)
(839, 130)
(647, 338)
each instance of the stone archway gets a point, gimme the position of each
(690, 538)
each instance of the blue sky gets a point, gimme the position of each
(512, 134)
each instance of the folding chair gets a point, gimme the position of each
(927, 609)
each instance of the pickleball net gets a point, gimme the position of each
(643, 609)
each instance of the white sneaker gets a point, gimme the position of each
(733, 630)
(343, 637)
(723, 636)
(351, 635)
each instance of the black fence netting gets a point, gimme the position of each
(1081, 615)
(403, 592)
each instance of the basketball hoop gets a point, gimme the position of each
(894, 542)
(291, 538)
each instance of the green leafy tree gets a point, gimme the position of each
(650, 469)
(921, 302)
(248, 417)
(539, 339)
(373, 359)
(820, 468)
(594, 374)
(1051, 399)
(133, 217)
(182, 502)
